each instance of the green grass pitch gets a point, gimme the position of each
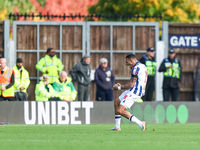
(99, 137)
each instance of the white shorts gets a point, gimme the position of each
(128, 98)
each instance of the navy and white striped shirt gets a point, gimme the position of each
(139, 71)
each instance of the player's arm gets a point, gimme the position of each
(129, 85)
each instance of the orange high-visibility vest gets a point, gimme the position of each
(5, 79)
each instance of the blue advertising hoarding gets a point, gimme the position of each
(184, 41)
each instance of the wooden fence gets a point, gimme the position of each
(188, 58)
(72, 40)
(100, 40)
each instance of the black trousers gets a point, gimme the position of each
(150, 87)
(21, 96)
(83, 92)
(170, 91)
(7, 98)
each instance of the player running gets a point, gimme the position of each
(136, 89)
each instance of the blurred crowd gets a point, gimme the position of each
(56, 85)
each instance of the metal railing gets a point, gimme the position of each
(87, 17)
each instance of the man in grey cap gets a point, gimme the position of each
(171, 67)
(104, 80)
(81, 73)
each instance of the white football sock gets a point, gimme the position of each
(117, 121)
(136, 120)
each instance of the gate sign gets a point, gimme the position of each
(184, 41)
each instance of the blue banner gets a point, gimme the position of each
(184, 41)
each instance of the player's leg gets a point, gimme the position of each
(122, 111)
(117, 116)
(126, 100)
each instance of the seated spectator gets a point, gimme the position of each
(43, 90)
(65, 88)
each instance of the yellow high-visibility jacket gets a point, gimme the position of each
(65, 90)
(22, 81)
(41, 92)
(53, 65)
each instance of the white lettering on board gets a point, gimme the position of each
(55, 112)
(26, 113)
(184, 41)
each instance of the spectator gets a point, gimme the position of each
(171, 67)
(7, 80)
(21, 81)
(149, 61)
(65, 88)
(43, 90)
(81, 73)
(105, 80)
(50, 65)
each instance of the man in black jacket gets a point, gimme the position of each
(149, 61)
(171, 67)
(81, 73)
